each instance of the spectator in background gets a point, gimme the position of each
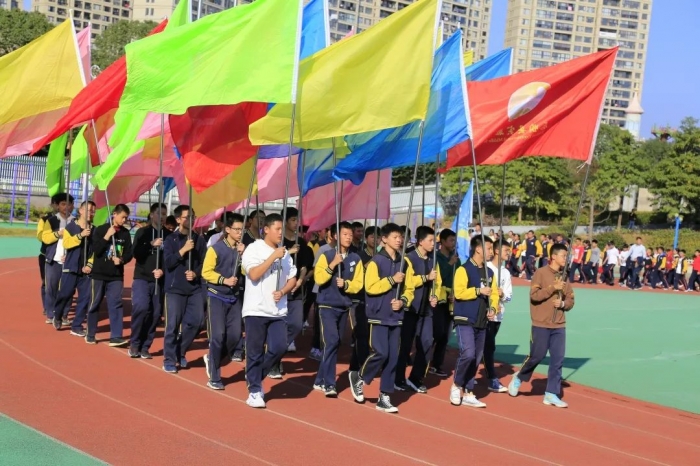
(632, 223)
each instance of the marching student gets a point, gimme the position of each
(42, 250)
(77, 242)
(183, 258)
(339, 275)
(418, 319)
(448, 262)
(476, 303)
(270, 276)
(550, 299)
(52, 238)
(111, 247)
(215, 234)
(533, 252)
(594, 261)
(146, 303)
(680, 266)
(358, 313)
(546, 243)
(501, 251)
(329, 243)
(358, 229)
(222, 274)
(387, 276)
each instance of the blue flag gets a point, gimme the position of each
(464, 218)
(315, 36)
(495, 66)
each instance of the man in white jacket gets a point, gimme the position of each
(270, 275)
(502, 252)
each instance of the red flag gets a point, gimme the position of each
(96, 99)
(213, 140)
(552, 111)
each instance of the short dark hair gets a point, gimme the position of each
(119, 208)
(255, 213)
(405, 230)
(595, 241)
(498, 245)
(157, 206)
(423, 232)
(343, 226)
(170, 220)
(682, 250)
(82, 204)
(371, 231)
(556, 248)
(639, 237)
(231, 218)
(292, 212)
(62, 197)
(357, 225)
(446, 234)
(272, 218)
(531, 231)
(476, 242)
(390, 228)
(224, 216)
(180, 209)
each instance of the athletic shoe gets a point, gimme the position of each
(146, 355)
(514, 385)
(78, 333)
(401, 387)
(356, 385)
(418, 388)
(319, 387)
(256, 400)
(495, 386)
(57, 324)
(550, 399)
(117, 342)
(207, 368)
(292, 348)
(183, 362)
(315, 354)
(133, 353)
(215, 385)
(237, 356)
(384, 404)
(275, 372)
(170, 368)
(470, 400)
(437, 371)
(455, 395)
(66, 322)
(90, 340)
(48, 321)
(331, 391)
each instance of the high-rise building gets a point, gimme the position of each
(546, 32)
(10, 5)
(157, 10)
(472, 16)
(96, 14)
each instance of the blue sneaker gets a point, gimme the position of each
(170, 368)
(550, 399)
(514, 385)
(496, 386)
(215, 385)
(183, 362)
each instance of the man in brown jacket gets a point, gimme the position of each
(550, 298)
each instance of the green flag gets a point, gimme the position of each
(79, 159)
(55, 164)
(247, 53)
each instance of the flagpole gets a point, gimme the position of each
(410, 199)
(70, 156)
(337, 206)
(85, 199)
(422, 214)
(247, 211)
(435, 230)
(302, 161)
(500, 226)
(161, 194)
(376, 212)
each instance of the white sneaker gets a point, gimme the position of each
(470, 400)
(455, 395)
(206, 366)
(292, 348)
(255, 400)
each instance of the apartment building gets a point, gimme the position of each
(96, 14)
(156, 10)
(545, 32)
(10, 5)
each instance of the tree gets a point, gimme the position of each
(403, 176)
(110, 45)
(675, 177)
(18, 28)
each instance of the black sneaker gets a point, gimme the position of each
(90, 340)
(146, 355)
(133, 352)
(356, 385)
(117, 342)
(330, 391)
(275, 372)
(437, 371)
(78, 333)
(237, 356)
(416, 387)
(401, 386)
(66, 322)
(57, 324)
(384, 404)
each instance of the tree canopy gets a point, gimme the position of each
(109, 46)
(18, 28)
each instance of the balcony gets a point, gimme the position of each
(564, 27)
(611, 2)
(565, 6)
(564, 47)
(565, 16)
(347, 6)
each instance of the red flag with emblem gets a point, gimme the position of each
(550, 112)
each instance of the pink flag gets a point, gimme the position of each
(124, 190)
(358, 201)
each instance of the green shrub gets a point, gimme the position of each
(563, 229)
(615, 237)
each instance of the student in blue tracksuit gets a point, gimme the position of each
(42, 250)
(77, 241)
(147, 287)
(222, 273)
(111, 246)
(52, 238)
(339, 274)
(418, 318)
(184, 305)
(389, 290)
(476, 303)
(358, 315)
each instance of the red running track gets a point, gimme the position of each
(126, 411)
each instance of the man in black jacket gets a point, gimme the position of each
(111, 247)
(147, 288)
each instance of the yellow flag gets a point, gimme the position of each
(377, 79)
(468, 58)
(37, 84)
(231, 188)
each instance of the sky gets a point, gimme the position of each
(668, 92)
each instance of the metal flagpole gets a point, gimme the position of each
(500, 226)
(189, 233)
(435, 230)
(481, 222)
(70, 156)
(302, 161)
(247, 211)
(286, 189)
(376, 212)
(459, 202)
(161, 195)
(422, 214)
(99, 159)
(85, 206)
(337, 206)
(410, 200)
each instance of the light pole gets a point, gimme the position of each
(679, 220)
